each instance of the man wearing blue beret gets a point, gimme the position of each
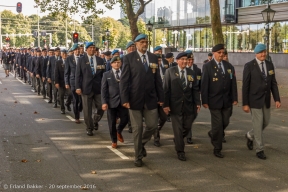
(89, 73)
(141, 91)
(259, 82)
(130, 47)
(115, 53)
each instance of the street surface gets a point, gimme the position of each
(42, 150)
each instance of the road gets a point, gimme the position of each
(42, 150)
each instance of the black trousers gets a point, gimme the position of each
(77, 103)
(23, 73)
(219, 121)
(181, 126)
(49, 91)
(112, 115)
(55, 91)
(62, 91)
(161, 121)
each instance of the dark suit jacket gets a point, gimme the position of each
(198, 75)
(33, 65)
(59, 73)
(217, 90)
(70, 70)
(44, 68)
(139, 87)
(180, 101)
(51, 68)
(255, 90)
(23, 60)
(18, 59)
(85, 80)
(110, 91)
(29, 62)
(39, 66)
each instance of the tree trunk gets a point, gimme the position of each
(216, 22)
(133, 28)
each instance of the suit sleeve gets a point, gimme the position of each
(48, 73)
(104, 90)
(67, 71)
(246, 84)
(274, 87)
(167, 88)
(124, 81)
(195, 90)
(234, 86)
(159, 86)
(56, 72)
(78, 74)
(205, 84)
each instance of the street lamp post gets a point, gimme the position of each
(149, 27)
(268, 16)
(107, 34)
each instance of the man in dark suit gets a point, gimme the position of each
(141, 92)
(49, 85)
(164, 62)
(219, 92)
(70, 70)
(51, 74)
(38, 68)
(192, 66)
(60, 82)
(170, 58)
(44, 59)
(22, 65)
(210, 56)
(258, 83)
(181, 94)
(89, 73)
(110, 94)
(32, 70)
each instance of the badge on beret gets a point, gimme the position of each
(153, 66)
(271, 72)
(190, 78)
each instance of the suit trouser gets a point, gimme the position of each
(23, 74)
(62, 91)
(142, 137)
(55, 91)
(38, 85)
(49, 91)
(190, 132)
(219, 121)
(97, 115)
(77, 103)
(87, 101)
(260, 120)
(34, 82)
(161, 121)
(112, 115)
(29, 77)
(181, 125)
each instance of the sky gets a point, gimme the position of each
(28, 9)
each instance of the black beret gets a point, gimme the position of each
(97, 49)
(217, 47)
(210, 54)
(107, 53)
(38, 50)
(182, 54)
(44, 49)
(169, 55)
(51, 50)
(57, 49)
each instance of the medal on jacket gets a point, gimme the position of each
(153, 66)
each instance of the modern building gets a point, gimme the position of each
(187, 24)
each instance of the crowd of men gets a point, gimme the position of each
(143, 87)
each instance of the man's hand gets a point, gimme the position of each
(246, 108)
(198, 108)
(16, 65)
(166, 110)
(278, 104)
(38, 76)
(235, 102)
(20, 67)
(78, 91)
(126, 105)
(49, 80)
(160, 103)
(31, 74)
(43, 79)
(57, 86)
(104, 107)
(67, 86)
(206, 106)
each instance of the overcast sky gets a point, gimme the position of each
(28, 9)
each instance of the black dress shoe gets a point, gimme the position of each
(55, 105)
(181, 156)
(157, 143)
(223, 140)
(249, 142)
(96, 126)
(68, 107)
(144, 153)
(138, 163)
(62, 111)
(261, 155)
(90, 133)
(218, 154)
(189, 141)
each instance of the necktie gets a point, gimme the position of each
(220, 68)
(77, 58)
(183, 80)
(145, 62)
(263, 71)
(117, 75)
(92, 65)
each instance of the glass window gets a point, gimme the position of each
(197, 39)
(253, 36)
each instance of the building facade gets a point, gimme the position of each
(187, 24)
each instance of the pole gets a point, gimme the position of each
(66, 37)
(0, 31)
(38, 27)
(268, 40)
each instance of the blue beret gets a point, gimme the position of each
(157, 48)
(188, 52)
(169, 55)
(115, 51)
(129, 44)
(64, 51)
(75, 46)
(259, 48)
(116, 58)
(182, 54)
(88, 44)
(140, 36)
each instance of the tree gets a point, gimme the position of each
(90, 6)
(216, 22)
